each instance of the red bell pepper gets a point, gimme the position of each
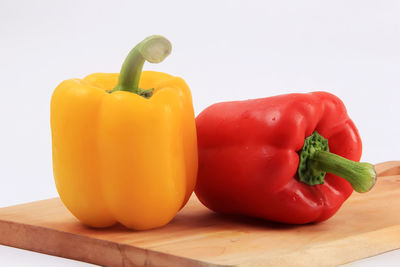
(269, 158)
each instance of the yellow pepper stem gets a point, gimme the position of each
(154, 49)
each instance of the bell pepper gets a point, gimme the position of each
(290, 158)
(124, 145)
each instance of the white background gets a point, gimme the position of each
(225, 50)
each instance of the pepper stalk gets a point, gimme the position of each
(316, 161)
(154, 49)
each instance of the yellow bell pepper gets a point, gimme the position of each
(121, 153)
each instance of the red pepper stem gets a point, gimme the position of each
(360, 175)
(154, 49)
(316, 160)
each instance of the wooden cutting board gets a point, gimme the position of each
(366, 225)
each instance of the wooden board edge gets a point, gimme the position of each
(387, 168)
(87, 249)
(30, 203)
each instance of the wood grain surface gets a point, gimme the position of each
(366, 225)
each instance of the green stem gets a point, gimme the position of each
(154, 49)
(316, 161)
(360, 175)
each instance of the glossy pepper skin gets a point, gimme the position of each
(121, 157)
(249, 156)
